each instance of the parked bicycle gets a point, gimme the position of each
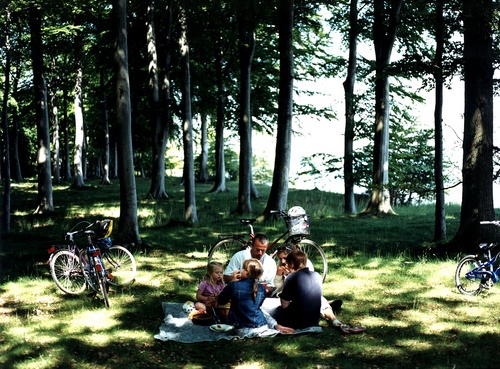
(298, 228)
(475, 274)
(73, 270)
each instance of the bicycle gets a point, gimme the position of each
(474, 275)
(72, 275)
(297, 231)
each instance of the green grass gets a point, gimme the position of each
(414, 314)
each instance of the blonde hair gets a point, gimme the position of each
(255, 271)
(210, 270)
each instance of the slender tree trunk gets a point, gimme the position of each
(246, 37)
(349, 201)
(67, 161)
(158, 126)
(383, 39)
(5, 147)
(105, 172)
(477, 171)
(128, 229)
(55, 128)
(45, 200)
(279, 189)
(220, 166)
(190, 213)
(203, 174)
(440, 211)
(78, 159)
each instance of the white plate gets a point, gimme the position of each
(221, 327)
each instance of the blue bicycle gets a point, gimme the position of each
(474, 275)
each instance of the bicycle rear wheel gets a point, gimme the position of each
(224, 250)
(316, 255)
(468, 278)
(67, 273)
(120, 266)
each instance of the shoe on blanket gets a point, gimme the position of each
(345, 328)
(357, 329)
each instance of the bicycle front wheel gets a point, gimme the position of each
(316, 255)
(67, 273)
(224, 250)
(120, 266)
(468, 277)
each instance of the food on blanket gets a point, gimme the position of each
(202, 318)
(221, 327)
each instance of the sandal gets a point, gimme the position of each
(345, 329)
(357, 329)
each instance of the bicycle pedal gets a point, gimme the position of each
(111, 276)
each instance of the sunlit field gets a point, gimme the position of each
(405, 296)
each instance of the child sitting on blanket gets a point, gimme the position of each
(246, 297)
(210, 287)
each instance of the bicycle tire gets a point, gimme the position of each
(316, 255)
(224, 250)
(120, 266)
(67, 273)
(467, 285)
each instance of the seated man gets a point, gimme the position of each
(258, 250)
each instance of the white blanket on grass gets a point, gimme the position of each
(177, 327)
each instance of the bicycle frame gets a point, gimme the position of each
(486, 267)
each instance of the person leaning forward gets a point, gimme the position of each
(260, 244)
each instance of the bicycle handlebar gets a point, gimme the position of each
(494, 222)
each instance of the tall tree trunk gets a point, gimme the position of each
(128, 229)
(55, 128)
(246, 41)
(158, 125)
(349, 201)
(79, 159)
(190, 213)
(278, 195)
(5, 146)
(383, 39)
(477, 171)
(203, 174)
(440, 211)
(16, 162)
(45, 202)
(67, 161)
(105, 172)
(220, 166)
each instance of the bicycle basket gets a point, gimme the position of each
(298, 225)
(104, 228)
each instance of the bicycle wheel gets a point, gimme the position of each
(224, 250)
(67, 273)
(120, 266)
(316, 255)
(468, 277)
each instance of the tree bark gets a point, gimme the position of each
(5, 146)
(45, 199)
(190, 213)
(246, 40)
(128, 229)
(158, 125)
(78, 159)
(383, 39)
(203, 173)
(105, 130)
(220, 166)
(278, 195)
(440, 211)
(477, 171)
(349, 201)
(55, 127)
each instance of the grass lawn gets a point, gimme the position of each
(414, 315)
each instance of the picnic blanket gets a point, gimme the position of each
(177, 327)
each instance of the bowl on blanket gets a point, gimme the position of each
(202, 318)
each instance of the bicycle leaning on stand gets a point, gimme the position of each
(298, 228)
(98, 265)
(474, 274)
